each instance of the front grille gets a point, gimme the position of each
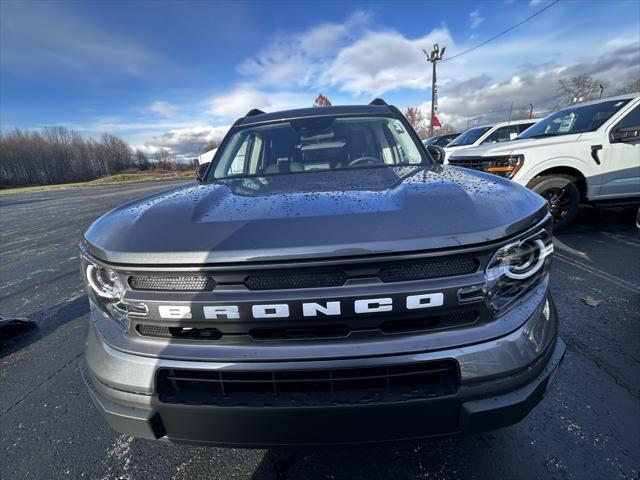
(179, 332)
(280, 388)
(428, 268)
(388, 270)
(286, 280)
(474, 163)
(316, 332)
(178, 283)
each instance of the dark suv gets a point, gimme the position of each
(324, 281)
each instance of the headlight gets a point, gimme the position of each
(107, 291)
(515, 268)
(506, 166)
(104, 282)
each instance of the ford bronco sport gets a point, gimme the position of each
(324, 281)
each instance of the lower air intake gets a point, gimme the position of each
(376, 384)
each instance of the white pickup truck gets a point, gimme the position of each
(586, 153)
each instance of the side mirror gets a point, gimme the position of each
(201, 171)
(437, 152)
(626, 134)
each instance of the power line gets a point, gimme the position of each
(502, 33)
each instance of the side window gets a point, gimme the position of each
(502, 134)
(631, 119)
(238, 163)
(522, 127)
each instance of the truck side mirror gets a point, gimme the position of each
(626, 134)
(437, 152)
(201, 171)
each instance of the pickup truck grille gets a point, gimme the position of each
(474, 163)
(286, 388)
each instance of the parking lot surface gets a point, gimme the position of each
(588, 426)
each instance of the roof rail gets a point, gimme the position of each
(378, 101)
(253, 112)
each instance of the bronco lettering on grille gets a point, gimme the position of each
(309, 309)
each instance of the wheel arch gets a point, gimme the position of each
(577, 175)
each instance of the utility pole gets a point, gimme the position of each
(433, 57)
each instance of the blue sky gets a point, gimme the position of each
(175, 74)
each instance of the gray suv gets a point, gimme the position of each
(324, 281)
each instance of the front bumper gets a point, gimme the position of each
(501, 381)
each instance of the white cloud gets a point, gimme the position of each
(297, 59)
(244, 98)
(185, 142)
(161, 109)
(380, 62)
(475, 19)
(478, 101)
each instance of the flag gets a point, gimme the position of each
(436, 122)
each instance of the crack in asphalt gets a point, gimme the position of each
(37, 387)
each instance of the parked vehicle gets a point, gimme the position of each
(324, 281)
(441, 140)
(488, 134)
(585, 153)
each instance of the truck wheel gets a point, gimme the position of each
(563, 197)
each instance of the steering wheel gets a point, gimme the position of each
(366, 160)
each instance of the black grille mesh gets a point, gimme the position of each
(179, 283)
(473, 163)
(295, 280)
(309, 387)
(179, 332)
(428, 268)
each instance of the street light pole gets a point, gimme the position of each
(434, 56)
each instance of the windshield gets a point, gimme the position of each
(469, 137)
(578, 119)
(316, 144)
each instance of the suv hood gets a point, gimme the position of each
(314, 215)
(515, 146)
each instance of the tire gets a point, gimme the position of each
(563, 196)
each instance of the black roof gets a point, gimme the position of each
(314, 112)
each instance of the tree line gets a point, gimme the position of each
(62, 155)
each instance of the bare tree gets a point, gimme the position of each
(59, 155)
(166, 159)
(141, 160)
(522, 113)
(322, 101)
(579, 89)
(632, 87)
(417, 121)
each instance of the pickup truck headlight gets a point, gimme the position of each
(106, 290)
(506, 166)
(515, 268)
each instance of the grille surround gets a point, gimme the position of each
(317, 387)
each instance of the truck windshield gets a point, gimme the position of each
(316, 144)
(469, 137)
(578, 119)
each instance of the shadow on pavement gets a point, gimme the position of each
(47, 320)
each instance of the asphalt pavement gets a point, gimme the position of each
(587, 427)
